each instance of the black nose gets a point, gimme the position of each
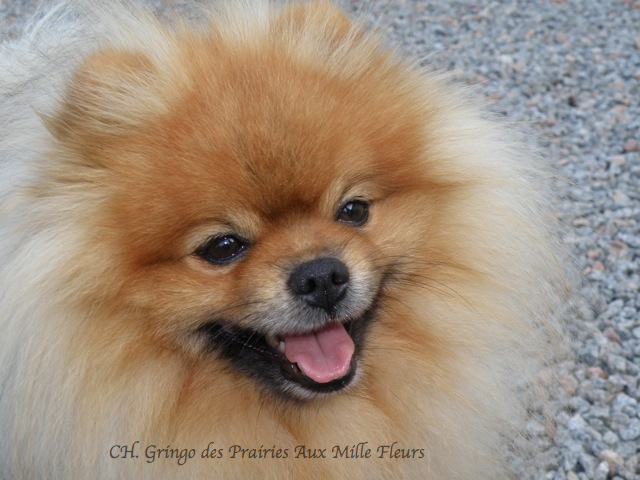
(321, 283)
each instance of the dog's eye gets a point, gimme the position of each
(355, 212)
(223, 249)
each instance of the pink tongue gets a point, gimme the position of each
(322, 356)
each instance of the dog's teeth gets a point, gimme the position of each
(272, 340)
(275, 342)
(300, 369)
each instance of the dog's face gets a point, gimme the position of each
(267, 213)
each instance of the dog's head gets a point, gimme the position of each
(261, 200)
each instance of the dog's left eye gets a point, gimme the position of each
(355, 212)
(222, 249)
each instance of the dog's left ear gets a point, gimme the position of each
(110, 93)
(319, 17)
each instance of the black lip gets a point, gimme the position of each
(249, 352)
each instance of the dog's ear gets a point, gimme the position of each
(321, 17)
(110, 93)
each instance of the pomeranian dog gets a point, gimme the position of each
(259, 245)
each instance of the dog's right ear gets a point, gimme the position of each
(319, 16)
(110, 93)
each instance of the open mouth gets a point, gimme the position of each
(296, 364)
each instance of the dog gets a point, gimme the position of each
(260, 244)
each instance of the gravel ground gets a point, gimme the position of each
(570, 71)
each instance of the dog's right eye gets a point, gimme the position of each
(355, 212)
(222, 249)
